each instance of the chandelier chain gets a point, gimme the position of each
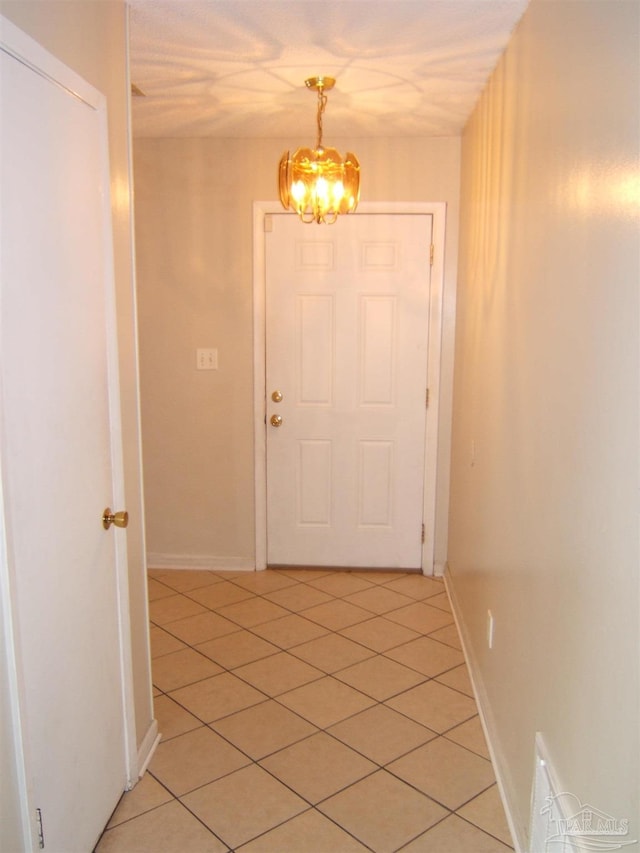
(322, 103)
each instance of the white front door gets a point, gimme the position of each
(60, 468)
(347, 319)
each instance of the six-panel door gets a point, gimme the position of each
(346, 346)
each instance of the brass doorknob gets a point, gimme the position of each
(277, 396)
(120, 519)
(276, 420)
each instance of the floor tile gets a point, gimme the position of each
(326, 701)
(233, 574)
(458, 678)
(180, 668)
(198, 629)
(183, 580)
(434, 705)
(341, 583)
(157, 590)
(379, 634)
(298, 597)
(244, 805)
(166, 610)
(220, 594)
(441, 601)
(381, 734)
(378, 599)
(344, 719)
(449, 635)
(444, 771)
(332, 652)
(380, 677)
(336, 614)
(454, 835)
(148, 794)
(381, 576)
(317, 767)
(193, 759)
(278, 673)
(217, 697)
(487, 812)
(172, 718)
(309, 832)
(264, 729)
(252, 612)
(289, 631)
(262, 583)
(470, 734)
(382, 812)
(427, 656)
(417, 586)
(421, 617)
(236, 649)
(163, 643)
(169, 828)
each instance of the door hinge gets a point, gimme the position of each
(432, 250)
(426, 399)
(40, 829)
(423, 535)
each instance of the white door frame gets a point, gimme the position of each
(261, 209)
(26, 50)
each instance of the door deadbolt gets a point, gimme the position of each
(120, 519)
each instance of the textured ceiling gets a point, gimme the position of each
(236, 68)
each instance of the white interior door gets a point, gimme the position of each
(60, 466)
(347, 319)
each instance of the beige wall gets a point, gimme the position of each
(91, 38)
(194, 249)
(544, 500)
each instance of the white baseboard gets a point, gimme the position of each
(199, 561)
(439, 569)
(146, 750)
(486, 718)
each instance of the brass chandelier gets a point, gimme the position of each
(317, 183)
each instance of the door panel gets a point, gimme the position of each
(347, 313)
(58, 473)
(376, 358)
(315, 345)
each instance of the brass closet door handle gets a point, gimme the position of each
(120, 519)
(276, 420)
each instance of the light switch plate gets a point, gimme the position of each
(206, 359)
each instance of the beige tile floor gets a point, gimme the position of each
(309, 712)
